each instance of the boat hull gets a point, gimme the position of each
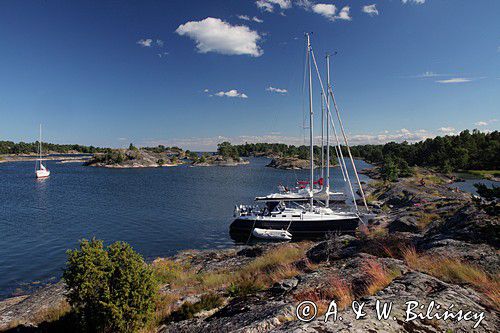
(241, 228)
(42, 174)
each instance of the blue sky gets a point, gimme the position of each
(194, 73)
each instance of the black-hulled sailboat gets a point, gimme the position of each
(305, 212)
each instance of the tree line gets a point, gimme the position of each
(466, 151)
(10, 147)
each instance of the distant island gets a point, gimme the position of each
(134, 157)
(162, 156)
(289, 163)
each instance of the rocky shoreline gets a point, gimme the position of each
(428, 243)
(218, 160)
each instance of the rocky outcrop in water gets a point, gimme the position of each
(289, 163)
(135, 158)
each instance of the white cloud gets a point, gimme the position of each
(344, 14)
(485, 122)
(455, 80)
(206, 90)
(162, 55)
(417, 2)
(231, 93)
(268, 5)
(215, 35)
(145, 42)
(160, 43)
(428, 74)
(327, 10)
(447, 130)
(304, 3)
(277, 90)
(248, 18)
(370, 10)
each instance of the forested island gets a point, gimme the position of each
(476, 152)
(151, 157)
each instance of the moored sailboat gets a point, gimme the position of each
(306, 212)
(40, 170)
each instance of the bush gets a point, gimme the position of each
(390, 170)
(110, 289)
(395, 167)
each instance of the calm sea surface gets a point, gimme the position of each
(158, 211)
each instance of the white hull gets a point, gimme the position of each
(42, 173)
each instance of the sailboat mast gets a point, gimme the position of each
(311, 120)
(327, 134)
(40, 144)
(322, 139)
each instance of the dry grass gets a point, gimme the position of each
(379, 276)
(171, 272)
(430, 178)
(425, 218)
(52, 314)
(274, 266)
(262, 272)
(455, 271)
(336, 289)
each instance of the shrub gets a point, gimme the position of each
(390, 170)
(110, 289)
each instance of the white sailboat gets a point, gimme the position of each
(40, 169)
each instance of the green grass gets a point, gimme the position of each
(485, 173)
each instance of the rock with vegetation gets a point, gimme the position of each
(137, 158)
(289, 163)
(219, 160)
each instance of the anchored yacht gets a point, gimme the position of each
(305, 210)
(40, 169)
